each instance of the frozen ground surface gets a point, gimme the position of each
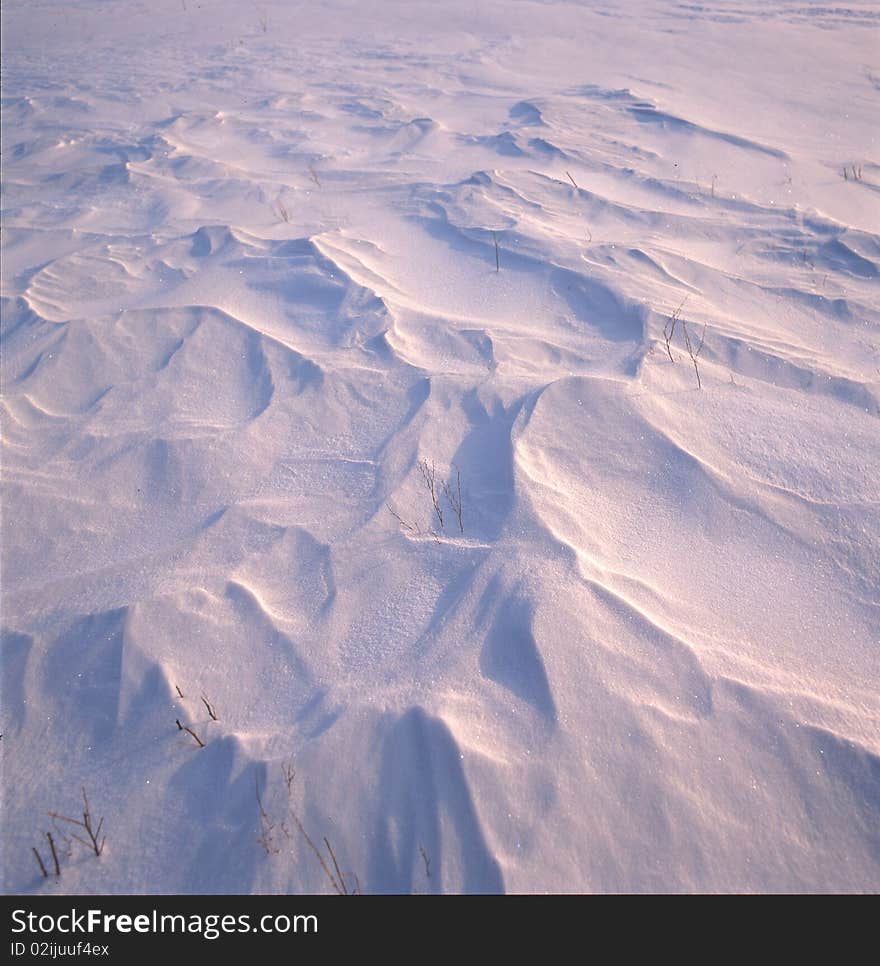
(249, 282)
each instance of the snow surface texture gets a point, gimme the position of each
(250, 282)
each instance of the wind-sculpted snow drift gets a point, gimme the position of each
(260, 284)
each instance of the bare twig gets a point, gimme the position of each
(209, 706)
(189, 731)
(572, 180)
(339, 874)
(282, 211)
(426, 860)
(429, 475)
(334, 875)
(267, 827)
(179, 692)
(412, 527)
(692, 352)
(289, 773)
(54, 853)
(669, 328)
(497, 252)
(40, 862)
(96, 841)
(453, 497)
(339, 885)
